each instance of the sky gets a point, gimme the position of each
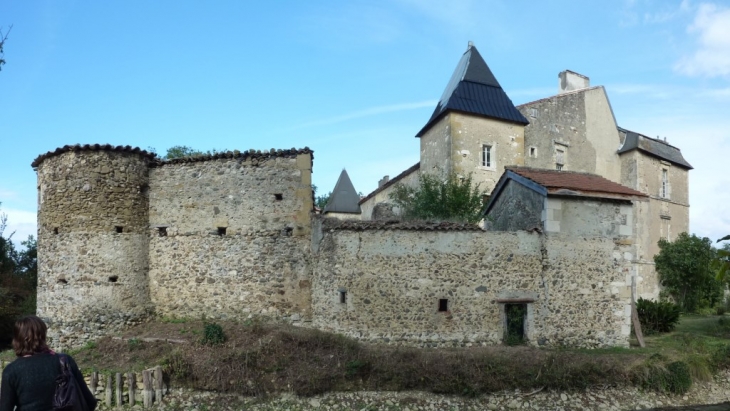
(352, 80)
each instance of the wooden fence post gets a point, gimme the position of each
(118, 389)
(94, 382)
(132, 383)
(108, 390)
(158, 385)
(147, 390)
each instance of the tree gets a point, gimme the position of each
(3, 37)
(185, 151)
(722, 262)
(453, 199)
(18, 279)
(685, 270)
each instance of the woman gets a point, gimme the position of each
(29, 382)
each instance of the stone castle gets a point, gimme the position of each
(123, 235)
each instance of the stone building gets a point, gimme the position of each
(577, 205)
(475, 129)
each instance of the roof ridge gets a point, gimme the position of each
(567, 93)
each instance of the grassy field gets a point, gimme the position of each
(259, 359)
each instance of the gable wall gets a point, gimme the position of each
(516, 208)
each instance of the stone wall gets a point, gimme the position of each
(469, 133)
(576, 291)
(92, 242)
(579, 122)
(229, 236)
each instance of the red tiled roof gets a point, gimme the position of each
(555, 180)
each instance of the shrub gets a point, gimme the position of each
(213, 334)
(657, 316)
(655, 374)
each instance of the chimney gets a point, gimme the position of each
(383, 180)
(570, 80)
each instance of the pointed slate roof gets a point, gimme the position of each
(344, 198)
(474, 89)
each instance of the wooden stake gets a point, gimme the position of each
(132, 383)
(147, 390)
(94, 382)
(109, 391)
(158, 384)
(118, 389)
(635, 315)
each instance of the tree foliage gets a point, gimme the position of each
(453, 199)
(686, 272)
(3, 37)
(18, 278)
(722, 262)
(186, 151)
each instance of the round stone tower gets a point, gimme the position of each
(92, 240)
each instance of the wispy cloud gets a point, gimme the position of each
(20, 222)
(368, 112)
(711, 26)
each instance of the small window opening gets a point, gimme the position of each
(486, 155)
(558, 167)
(119, 229)
(55, 230)
(514, 330)
(221, 230)
(343, 297)
(113, 278)
(443, 305)
(62, 281)
(278, 196)
(665, 183)
(162, 231)
(533, 152)
(533, 112)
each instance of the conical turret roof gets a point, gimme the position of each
(344, 198)
(473, 89)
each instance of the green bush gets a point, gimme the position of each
(656, 375)
(213, 334)
(657, 316)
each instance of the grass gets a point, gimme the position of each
(257, 358)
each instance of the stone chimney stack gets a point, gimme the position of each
(570, 80)
(383, 180)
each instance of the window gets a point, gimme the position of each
(162, 231)
(443, 305)
(559, 158)
(119, 229)
(343, 297)
(533, 112)
(487, 155)
(533, 152)
(665, 185)
(221, 231)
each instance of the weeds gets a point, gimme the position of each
(213, 334)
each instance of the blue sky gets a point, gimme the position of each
(352, 80)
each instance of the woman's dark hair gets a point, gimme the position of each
(29, 336)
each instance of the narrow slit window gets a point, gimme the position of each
(162, 231)
(278, 196)
(55, 230)
(533, 152)
(221, 231)
(118, 229)
(487, 155)
(443, 305)
(665, 184)
(343, 297)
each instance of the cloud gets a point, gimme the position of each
(22, 223)
(368, 112)
(711, 27)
